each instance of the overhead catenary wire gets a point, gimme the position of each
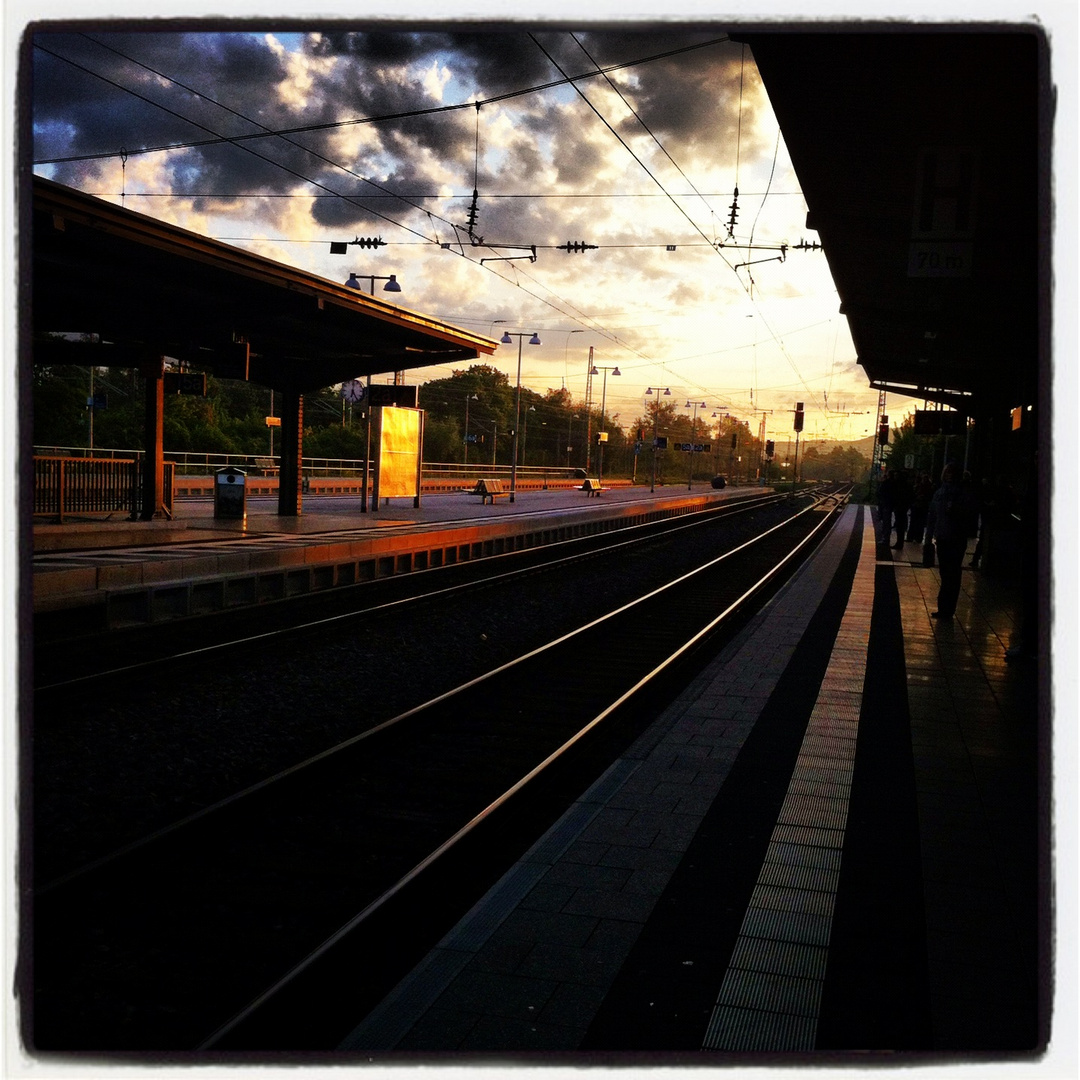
(384, 118)
(576, 313)
(551, 299)
(623, 143)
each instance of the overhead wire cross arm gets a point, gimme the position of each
(506, 258)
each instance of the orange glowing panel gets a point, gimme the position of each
(398, 445)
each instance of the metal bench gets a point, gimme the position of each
(266, 466)
(489, 489)
(592, 487)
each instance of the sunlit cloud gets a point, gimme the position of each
(644, 173)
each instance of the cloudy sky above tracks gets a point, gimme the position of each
(630, 139)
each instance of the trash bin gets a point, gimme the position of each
(230, 499)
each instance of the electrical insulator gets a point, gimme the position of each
(470, 221)
(576, 245)
(734, 217)
(369, 242)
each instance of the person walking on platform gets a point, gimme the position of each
(902, 496)
(886, 493)
(920, 504)
(950, 520)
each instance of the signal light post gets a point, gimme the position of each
(799, 414)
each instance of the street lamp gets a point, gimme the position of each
(693, 435)
(390, 286)
(603, 419)
(648, 393)
(506, 340)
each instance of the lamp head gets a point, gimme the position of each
(392, 285)
(352, 283)
(506, 339)
(535, 339)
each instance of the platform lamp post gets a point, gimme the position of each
(695, 405)
(506, 339)
(390, 286)
(596, 369)
(655, 417)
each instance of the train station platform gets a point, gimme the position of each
(835, 840)
(104, 574)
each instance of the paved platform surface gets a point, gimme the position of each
(830, 842)
(123, 572)
(193, 519)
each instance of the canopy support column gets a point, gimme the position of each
(290, 490)
(153, 473)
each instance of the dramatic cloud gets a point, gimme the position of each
(284, 140)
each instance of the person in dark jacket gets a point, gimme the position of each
(902, 496)
(886, 491)
(920, 504)
(950, 520)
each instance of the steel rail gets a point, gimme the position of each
(329, 752)
(379, 902)
(659, 529)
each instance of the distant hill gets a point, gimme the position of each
(825, 446)
(864, 446)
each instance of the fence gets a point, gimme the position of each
(93, 485)
(200, 464)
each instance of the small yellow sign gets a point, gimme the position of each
(273, 421)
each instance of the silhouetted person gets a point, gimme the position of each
(950, 520)
(922, 493)
(885, 503)
(902, 496)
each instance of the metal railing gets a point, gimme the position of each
(190, 463)
(66, 485)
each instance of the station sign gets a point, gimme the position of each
(185, 382)
(696, 448)
(400, 397)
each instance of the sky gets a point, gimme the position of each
(548, 168)
(384, 140)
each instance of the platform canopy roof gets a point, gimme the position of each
(922, 158)
(146, 288)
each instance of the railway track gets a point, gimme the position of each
(236, 927)
(84, 657)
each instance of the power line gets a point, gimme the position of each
(559, 304)
(538, 195)
(624, 144)
(331, 125)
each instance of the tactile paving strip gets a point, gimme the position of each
(771, 994)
